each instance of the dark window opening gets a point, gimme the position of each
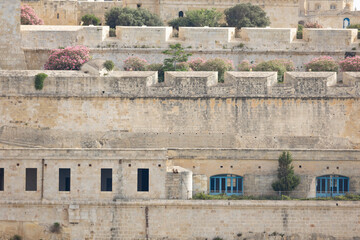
(181, 14)
(350, 54)
(31, 179)
(57, 16)
(138, 5)
(64, 179)
(106, 179)
(1, 179)
(143, 180)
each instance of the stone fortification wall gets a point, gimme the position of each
(45, 36)
(130, 109)
(254, 44)
(264, 39)
(11, 55)
(182, 220)
(69, 12)
(174, 173)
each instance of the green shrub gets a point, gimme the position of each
(112, 32)
(245, 65)
(16, 237)
(118, 16)
(55, 228)
(159, 68)
(182, 66)
(322, 64)
(218, 64)
(135, 64)
(180, 22)
(198, 18)
(277, 65)
(246, 15)
(355, 26)
(90, 19)
(39, 81)
(109, 65)
(299, 33)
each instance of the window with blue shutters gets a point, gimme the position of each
(331, 185)
(228, 184)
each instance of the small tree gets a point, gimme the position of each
(177, 54)
(198, 18)
(246, 15)
(90, 19)
(131, 17)
(287, 180)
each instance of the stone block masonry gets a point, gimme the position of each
(11, 54)
(181, 220)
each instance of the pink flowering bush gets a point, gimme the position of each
(29, 17)
(70, 58)
(135, 64)
(322, 64)
(350, 64)
(195, 64)
(312, 25)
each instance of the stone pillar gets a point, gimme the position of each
(11, 54)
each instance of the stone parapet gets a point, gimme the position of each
(180, 84)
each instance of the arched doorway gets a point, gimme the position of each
(181, 14)
(346, 22)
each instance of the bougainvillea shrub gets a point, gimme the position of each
(70, 58)
(350, 64)
(29, 17)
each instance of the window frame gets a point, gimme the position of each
(218, 182)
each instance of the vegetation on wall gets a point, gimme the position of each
(287, 180)
(39, 80)
(246, 15)
(177, 55)
(55, 228)
(90, 19)
(16, 237)
(219, 65)
(322, 64)
(131, 17)
(135, 64)
(29, 17)
(312, 25)
(276, 65)
(70, 58)
(198, 18)
(350, 64)
(109, 65)
(355, 26)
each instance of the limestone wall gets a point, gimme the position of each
(69, 12)
(52, 37)
(11, 54)
(129, 109)
(182, 220)
(259, 39)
